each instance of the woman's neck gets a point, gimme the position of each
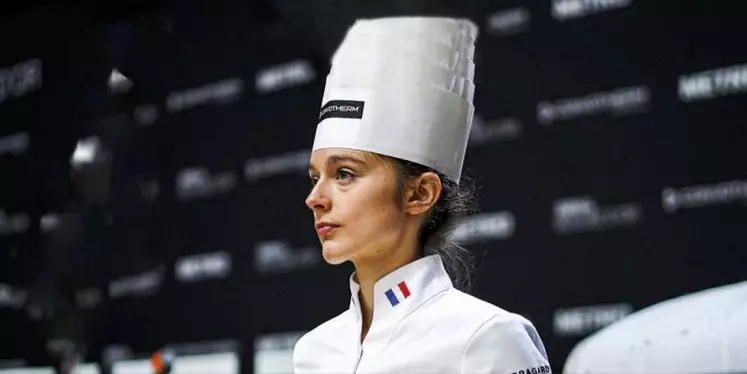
(368, 272)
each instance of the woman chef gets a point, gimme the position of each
(385, 169)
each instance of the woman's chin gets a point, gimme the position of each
(333, 254)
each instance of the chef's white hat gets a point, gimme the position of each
(362, 70)
(402, 87)
(426, 63)
(447, 54)
(703, 332)
(432, 28)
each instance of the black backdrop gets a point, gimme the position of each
(612, 170)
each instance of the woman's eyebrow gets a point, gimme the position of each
(339, 158)
(334, 159)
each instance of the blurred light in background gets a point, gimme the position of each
(273, 353)
(87, 151)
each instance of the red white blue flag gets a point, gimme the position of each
(395, 295)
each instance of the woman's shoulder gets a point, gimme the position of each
(494, 328)
(463, 305)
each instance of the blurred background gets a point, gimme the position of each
(153, 161)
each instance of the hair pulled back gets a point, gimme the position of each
(455, 202)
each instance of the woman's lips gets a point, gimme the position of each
(325, 229)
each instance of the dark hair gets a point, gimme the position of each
(455, 201)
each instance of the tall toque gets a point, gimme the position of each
(402, 87)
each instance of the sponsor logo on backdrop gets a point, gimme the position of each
(203, 266)
(574, 322)
(583, 214)
(215, 348)
(221, 92)
(20, 79)
(286, 163)
(149, 190)
(487, 226)
(274, 353)
(60, 347)
(118, 82)
(277, 256)
(714, 83)
(569, 9)
(88, 298)
(284, 76)
(494, 130)
(138, 285)
(621, 101)
(704, 195)
(11, 297)
(88, 151)
(15, 144)
(13, 223)
(37, 313)
(145, 115)
(116, 352)
(205, 347)
(48, 222)
(196, 183)
(278, 341)
(509, 21)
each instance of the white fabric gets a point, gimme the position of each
(405, 125)
(437, 329)
(404, 48)
(704, 332)
(374, 74)
(437, 27)
(402, 87)
(449, 38)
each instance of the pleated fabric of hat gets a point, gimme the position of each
(402, 87)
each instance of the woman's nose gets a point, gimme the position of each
(317, 199)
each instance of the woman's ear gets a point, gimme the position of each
(422, 193)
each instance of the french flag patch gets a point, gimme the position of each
(394, 295)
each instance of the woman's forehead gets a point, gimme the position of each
(322, 156)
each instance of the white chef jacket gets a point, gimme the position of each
(422, 324)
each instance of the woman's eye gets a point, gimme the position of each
(313, 180)
(344, 174)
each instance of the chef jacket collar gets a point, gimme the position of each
(400, 292)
